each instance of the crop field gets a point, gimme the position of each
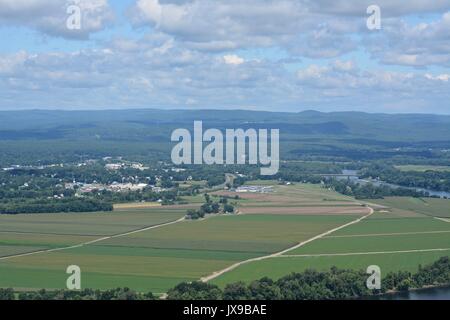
(375, 226)
(384, 242)
(278, 267)
(423, 206)
(157, 259)
(163, 257)
(392, 243)
(136, 205)
(36, 232)
(304, 200)
(241, 233)
(152, 249)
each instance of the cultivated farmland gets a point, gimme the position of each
(423, 206)
(157, 259)
(392, 243)
(36, 232)
(184, 251)
(123, 249)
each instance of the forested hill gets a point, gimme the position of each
(40, 124)
(348, 135)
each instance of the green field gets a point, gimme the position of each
(159, 258)
(241, 233)
(95, 224)
(385, 243)
(381, 242)
(393, 226)
(162, 257)
(155, 259)
(35, 232)
(424, 206)
(279, 267)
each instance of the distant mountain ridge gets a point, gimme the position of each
(49, 124)
(43, 136)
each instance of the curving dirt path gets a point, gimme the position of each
(387, 234)
(361, 253)
(442, 219)
(93, 241)
(277, 254)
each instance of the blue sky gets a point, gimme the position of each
(284, 55)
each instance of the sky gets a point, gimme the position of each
(276, 55)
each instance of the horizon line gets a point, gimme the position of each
(217, 109)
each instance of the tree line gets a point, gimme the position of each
(86, 294)
(369, 191)
(55, 206)
(430, 179)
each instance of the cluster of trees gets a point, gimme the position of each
(309, 285)
(214, 175)
(369, 191)
(432, 180)
(167, 197)
(55, 206)
(210, 207)
(86, 294)
(435, 274)
(314, 285)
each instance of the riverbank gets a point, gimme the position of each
(439, 292)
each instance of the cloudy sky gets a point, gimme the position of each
(281, 55)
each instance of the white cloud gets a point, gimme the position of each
(50, 16)
(417, 45)
(140, 74)
(191, 53)
(314, 29)
(233, 59)
(344, 65)
(440, 77)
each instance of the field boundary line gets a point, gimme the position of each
(360, 253)
(93, 241)
(278, 254)
(52, 234)
(387, 234)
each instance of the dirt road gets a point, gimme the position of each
(274, 255)
(92, 241)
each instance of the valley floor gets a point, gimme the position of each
(153, 248)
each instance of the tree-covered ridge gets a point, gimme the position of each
(28, 137)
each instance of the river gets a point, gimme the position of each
(353, 176)
(424, 294)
